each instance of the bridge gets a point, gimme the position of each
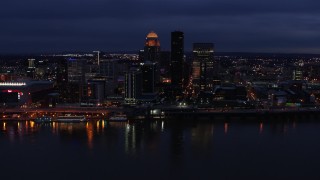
(32, 113)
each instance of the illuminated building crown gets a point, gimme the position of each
(152, 39)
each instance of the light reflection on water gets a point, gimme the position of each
(225, 146)
(133, 133)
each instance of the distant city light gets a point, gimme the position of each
(12, 84)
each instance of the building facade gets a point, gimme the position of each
(148, 70)
(152, 48)
(202, 67)
(133, 86)
(76, 70)
(177, 54)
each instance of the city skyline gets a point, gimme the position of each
(247, 26)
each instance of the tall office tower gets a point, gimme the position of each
(133, 86)
(76, 70)
(77, 87)
(97, 57)
(141, 55)
(202, 67)
(31, 68)
(96, 90)
(152, 48)
(165, 65)
(152, 56)
(148, 77)
(108, 68)
(177, 52)
(298, 71)
(31, 63)
(62, 70)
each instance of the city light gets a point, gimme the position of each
(13, 84)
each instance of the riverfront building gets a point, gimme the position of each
(28, 93)
(152, 48)
(202, 68)
(177, 53)
(133, 86)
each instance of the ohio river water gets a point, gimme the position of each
(286, 149)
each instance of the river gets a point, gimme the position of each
(165, 149)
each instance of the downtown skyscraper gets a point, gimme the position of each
(177, 54)
(152, 48)
(202, 67)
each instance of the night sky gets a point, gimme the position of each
(34, 26)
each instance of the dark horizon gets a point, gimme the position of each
(137, 52)
(289, 26)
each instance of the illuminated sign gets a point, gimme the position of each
(10, 91)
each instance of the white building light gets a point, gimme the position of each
(12, 84)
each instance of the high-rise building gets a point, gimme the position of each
(141, 55)
(76, 79)
(31, 63)
(108, 68)
(177, 53)
(31, 68)
(151, 63)
(96, 90)
(76, 70)
(148, 77)
(97, 57)
(202, 67)
(152, 48)
(165, 61)
(298, 71)
(133, 86)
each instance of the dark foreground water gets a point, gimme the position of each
(287, 149)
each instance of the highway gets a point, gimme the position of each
(165, 111)
(32, 113)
